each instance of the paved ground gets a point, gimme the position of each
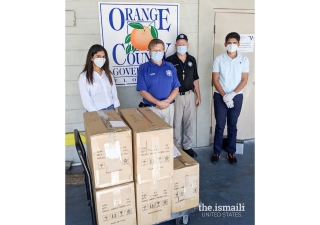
(220, 184)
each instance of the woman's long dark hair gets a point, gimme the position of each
(89, 64)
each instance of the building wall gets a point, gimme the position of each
(196, 21)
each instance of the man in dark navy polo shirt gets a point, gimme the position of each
(158, 83)
(189, 94)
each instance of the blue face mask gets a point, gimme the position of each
(157, 56)
(182, 49)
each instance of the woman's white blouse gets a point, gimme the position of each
(98, 95)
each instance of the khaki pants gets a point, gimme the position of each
(165, 114)
(184, 114)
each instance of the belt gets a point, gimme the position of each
(186, 92)
(142, 104)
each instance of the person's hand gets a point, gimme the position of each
(163, 104)
(230, 104)
(198, 101)
(229, 97)
(116, 109)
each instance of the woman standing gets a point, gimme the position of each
(96, 83)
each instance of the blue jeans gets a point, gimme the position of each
(223, 114)
(111, 107)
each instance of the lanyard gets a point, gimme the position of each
(184, 66)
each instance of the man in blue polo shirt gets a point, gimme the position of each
(230, 74)
(158, 83)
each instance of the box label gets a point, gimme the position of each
(112, 150)
(113, 156)
(118, 124)
(191, 186)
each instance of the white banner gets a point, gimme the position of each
(126, 30)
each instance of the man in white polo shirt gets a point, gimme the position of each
(230, 74)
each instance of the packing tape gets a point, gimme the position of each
(105, 119)
(147, 217)
(159, 213)
(139, 178)
(114, 177)
(138, 140)
(154, 216)
(112, 132)
(116, 197)
(156, 158)
(154, 184)
(144, 118)
(98, 195)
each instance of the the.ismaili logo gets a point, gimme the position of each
(222, 210)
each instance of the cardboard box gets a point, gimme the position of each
(152, 144)
(116, 205)
(185, 188)
(109, 148)
(153, 201)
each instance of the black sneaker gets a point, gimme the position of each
(190, 152)
(215, 158)
(232, 159)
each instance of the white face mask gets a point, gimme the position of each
(99, 62)
(232, 48)
(157, 56)
(182, 49)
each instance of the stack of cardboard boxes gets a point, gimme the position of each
(109, 153)
(135, 178)
(153, 164)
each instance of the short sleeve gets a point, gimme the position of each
(141, 82)
(216, 65)
(246, 65)
(175, 83)
(195, 73)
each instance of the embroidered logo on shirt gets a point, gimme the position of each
(169, 73)
(152, 74)
(189, 63)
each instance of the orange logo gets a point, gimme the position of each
(140, 37)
